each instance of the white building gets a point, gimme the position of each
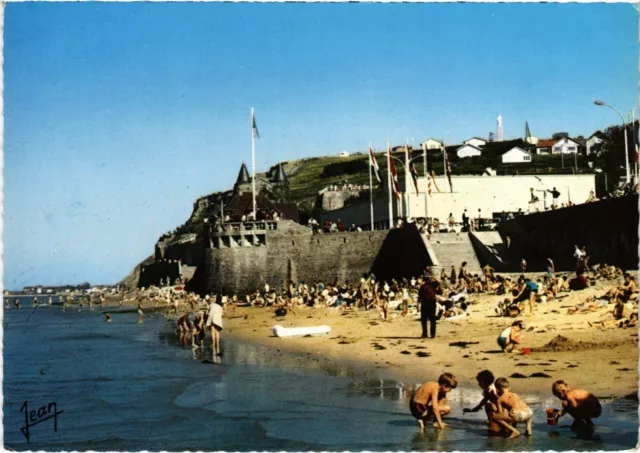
(468, 151)
(344, 153)
(565, 146)
(475, 141)
(516, 155)
(431, 143)
(490, 194)
(596, 138)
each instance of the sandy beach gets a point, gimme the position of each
(604, 361)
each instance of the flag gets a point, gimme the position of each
(394, 175)
(412, 170)
(447, 166)
(254, 126)
(374, 163)
(431, 174)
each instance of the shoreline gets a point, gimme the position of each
(393, 349)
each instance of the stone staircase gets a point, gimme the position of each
(451, 249)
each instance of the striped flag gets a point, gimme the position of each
(254, 126)
(394, 175)
(447, 166)
(374, 163)
(412, 170)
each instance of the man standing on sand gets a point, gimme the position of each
(428, 300)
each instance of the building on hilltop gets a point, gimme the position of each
(475, 141)
(431, 143)
(593, 142)
(516, 155)
(468, 151)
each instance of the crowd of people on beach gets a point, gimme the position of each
(503, 407)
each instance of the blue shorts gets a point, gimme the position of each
(502, 342)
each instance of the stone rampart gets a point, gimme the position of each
(608, 228)
(291, 253)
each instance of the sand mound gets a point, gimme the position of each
(562, 344)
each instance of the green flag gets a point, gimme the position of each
(254, 127)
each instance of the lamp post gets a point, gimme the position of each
(626, 145)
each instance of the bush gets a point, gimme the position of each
(344, 168)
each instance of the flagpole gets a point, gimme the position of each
(371, 188)
(407, 175)
(424, 162)
(253, 166)
(389, 184)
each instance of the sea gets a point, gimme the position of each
(74, 382)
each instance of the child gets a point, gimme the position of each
(511, 336)
(511, 409)
(430, 400)
(579, 403)
(489, 400)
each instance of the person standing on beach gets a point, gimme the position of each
(427, 297)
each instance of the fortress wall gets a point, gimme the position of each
(191, 253)
(295, 255)
(609, 229)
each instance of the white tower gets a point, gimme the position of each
(500, 131)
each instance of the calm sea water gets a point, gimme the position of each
(124, 386)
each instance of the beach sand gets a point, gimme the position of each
(603, 361)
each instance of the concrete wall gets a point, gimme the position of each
(295, 255)
(335, 199)
(492, 194)
(191, 253)
(608, 228)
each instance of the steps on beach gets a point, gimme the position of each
(451, 249)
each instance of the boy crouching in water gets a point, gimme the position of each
(511, 409)
(579, 403)
(489, 400)
(430, 400)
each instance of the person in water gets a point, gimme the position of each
(107, 317)
(489, 401)
(511, 409)
(430, 400)
(579, 403)
(140, 313)
(214, 323)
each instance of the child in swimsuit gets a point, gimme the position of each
(579, 403)
(511, 409)
(489, 400)
(430, 400)
(511, 337)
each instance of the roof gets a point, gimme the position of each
(243, 175)
(476, 138)
(431, 138)
(470, 146)
(517, 148)
(546, 143)
(280, 175)
(598, 134)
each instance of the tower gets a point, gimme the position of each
(500, 130)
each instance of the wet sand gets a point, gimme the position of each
(604, 361)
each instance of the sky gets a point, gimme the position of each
(119, 116)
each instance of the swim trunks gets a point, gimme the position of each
(417, 409)
(521, 415)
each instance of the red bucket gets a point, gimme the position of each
(526, 351)
(552, 416)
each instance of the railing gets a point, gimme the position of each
(229, 228)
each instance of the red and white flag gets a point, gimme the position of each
(374, 164)
(412, 170)
(394, 175)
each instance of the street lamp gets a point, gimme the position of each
(626, 145)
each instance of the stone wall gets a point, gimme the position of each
(291, 254)
(152, 273)
(608, 228)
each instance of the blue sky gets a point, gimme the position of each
(118, 116)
